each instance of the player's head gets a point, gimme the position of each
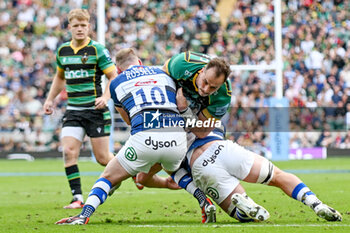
(79, 24)
(125, 58)
(213, 76)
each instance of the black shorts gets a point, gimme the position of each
(97, 123)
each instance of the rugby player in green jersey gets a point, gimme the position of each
(81, 63)
(204, 92)
(204, 84)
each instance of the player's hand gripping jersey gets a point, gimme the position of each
(184, 68)
(148, 95)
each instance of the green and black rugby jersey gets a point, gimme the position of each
(184, 68)
(83, 68)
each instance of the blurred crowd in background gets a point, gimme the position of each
(316, 53)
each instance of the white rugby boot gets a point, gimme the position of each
(249, 207)
(326, 212)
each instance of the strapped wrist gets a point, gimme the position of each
(183, 111)
(188, 115)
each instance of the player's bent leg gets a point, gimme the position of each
(285, 181)
(296, 189)
(113, 174)
(71, 149)
(152, 180)
(249, 207)
(100, 147)
(263, 171)
(241, 207)
(184, 179)
(226, 204)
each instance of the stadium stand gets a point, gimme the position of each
(316, 50)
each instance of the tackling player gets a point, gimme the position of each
(205, 85)
(252, 168)
(218, 165)
(139, 92)
(204, 92)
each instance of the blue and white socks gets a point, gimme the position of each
(184, 179)
(97, 196)
(302, 193)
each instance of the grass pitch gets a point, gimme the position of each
(32, 195)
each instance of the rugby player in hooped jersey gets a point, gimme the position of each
(139, 92)
(218, 165)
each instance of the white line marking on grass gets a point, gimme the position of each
(162, 173)
(243, 225)
(122, 193)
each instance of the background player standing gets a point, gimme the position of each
(81, 63)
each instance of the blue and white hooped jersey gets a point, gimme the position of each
(144, 89)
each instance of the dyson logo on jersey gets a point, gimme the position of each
(159, 144)
(213, 157)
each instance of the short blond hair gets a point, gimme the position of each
(80, 14)
(125, 57)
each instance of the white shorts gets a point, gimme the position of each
(220, 168)
(144, 149)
